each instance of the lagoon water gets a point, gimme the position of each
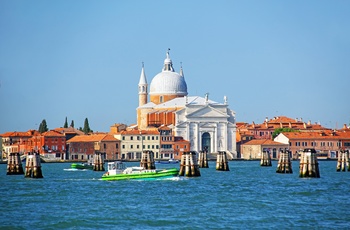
(246, 197)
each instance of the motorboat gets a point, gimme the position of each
(118, 171)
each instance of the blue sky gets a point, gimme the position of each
(82, 59)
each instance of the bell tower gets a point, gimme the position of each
(143, 87)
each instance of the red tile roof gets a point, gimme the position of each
(317, 135)
(92, 138)
(137, 132)
(52, 133)
(262, 142)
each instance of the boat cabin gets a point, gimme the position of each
(115, 167)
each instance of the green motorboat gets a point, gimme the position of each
(81, 166)
(118, 171)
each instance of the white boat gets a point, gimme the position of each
(118, 171)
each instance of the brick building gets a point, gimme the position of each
(83, 147)
(326, 143)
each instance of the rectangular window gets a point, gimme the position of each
(152, 138)
(131, 146)
(123, 138)
(148, 138)
(137, 146)
(123, 146)
(152, 146)
(131, 138)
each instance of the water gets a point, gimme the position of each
(248, 196)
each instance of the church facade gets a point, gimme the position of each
(208, 125)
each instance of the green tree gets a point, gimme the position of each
(86, 128)
(281, 130)
(65, 124)
(72, 124)
(43, 127)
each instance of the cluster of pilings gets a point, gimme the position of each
(98, 162)
(343, 161)
(33, 166)
(221, 161)
(189, 165)
(265, 159)
(147, 160)
(203, 159)
(284, 163)
(309, 164)
(14, 164)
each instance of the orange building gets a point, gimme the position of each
(327, 143)
(83, 147)
(172, 147)
(266, 129)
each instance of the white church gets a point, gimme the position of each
(207, 124)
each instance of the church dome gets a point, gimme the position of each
(168, 82)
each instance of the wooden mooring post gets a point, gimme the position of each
(203, 159)
(221, 161)
(14, 164)
(33, 166)
(309, 164)
(189, 165)
(147, 160)
(265, 159)
(343, 161)
(284, 163)
(98, 162)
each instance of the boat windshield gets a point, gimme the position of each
(116, 166)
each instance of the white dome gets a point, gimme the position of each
(168, 82)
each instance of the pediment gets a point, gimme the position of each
(207, 112)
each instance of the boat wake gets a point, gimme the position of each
(75, 170)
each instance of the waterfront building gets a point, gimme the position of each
(83, 147)
(254, 148)
(69, 133)
(134, 142)
(266, 129)
(52, 145)
(206, 124)
(16, 142)
(171, 147)
(327, 143)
